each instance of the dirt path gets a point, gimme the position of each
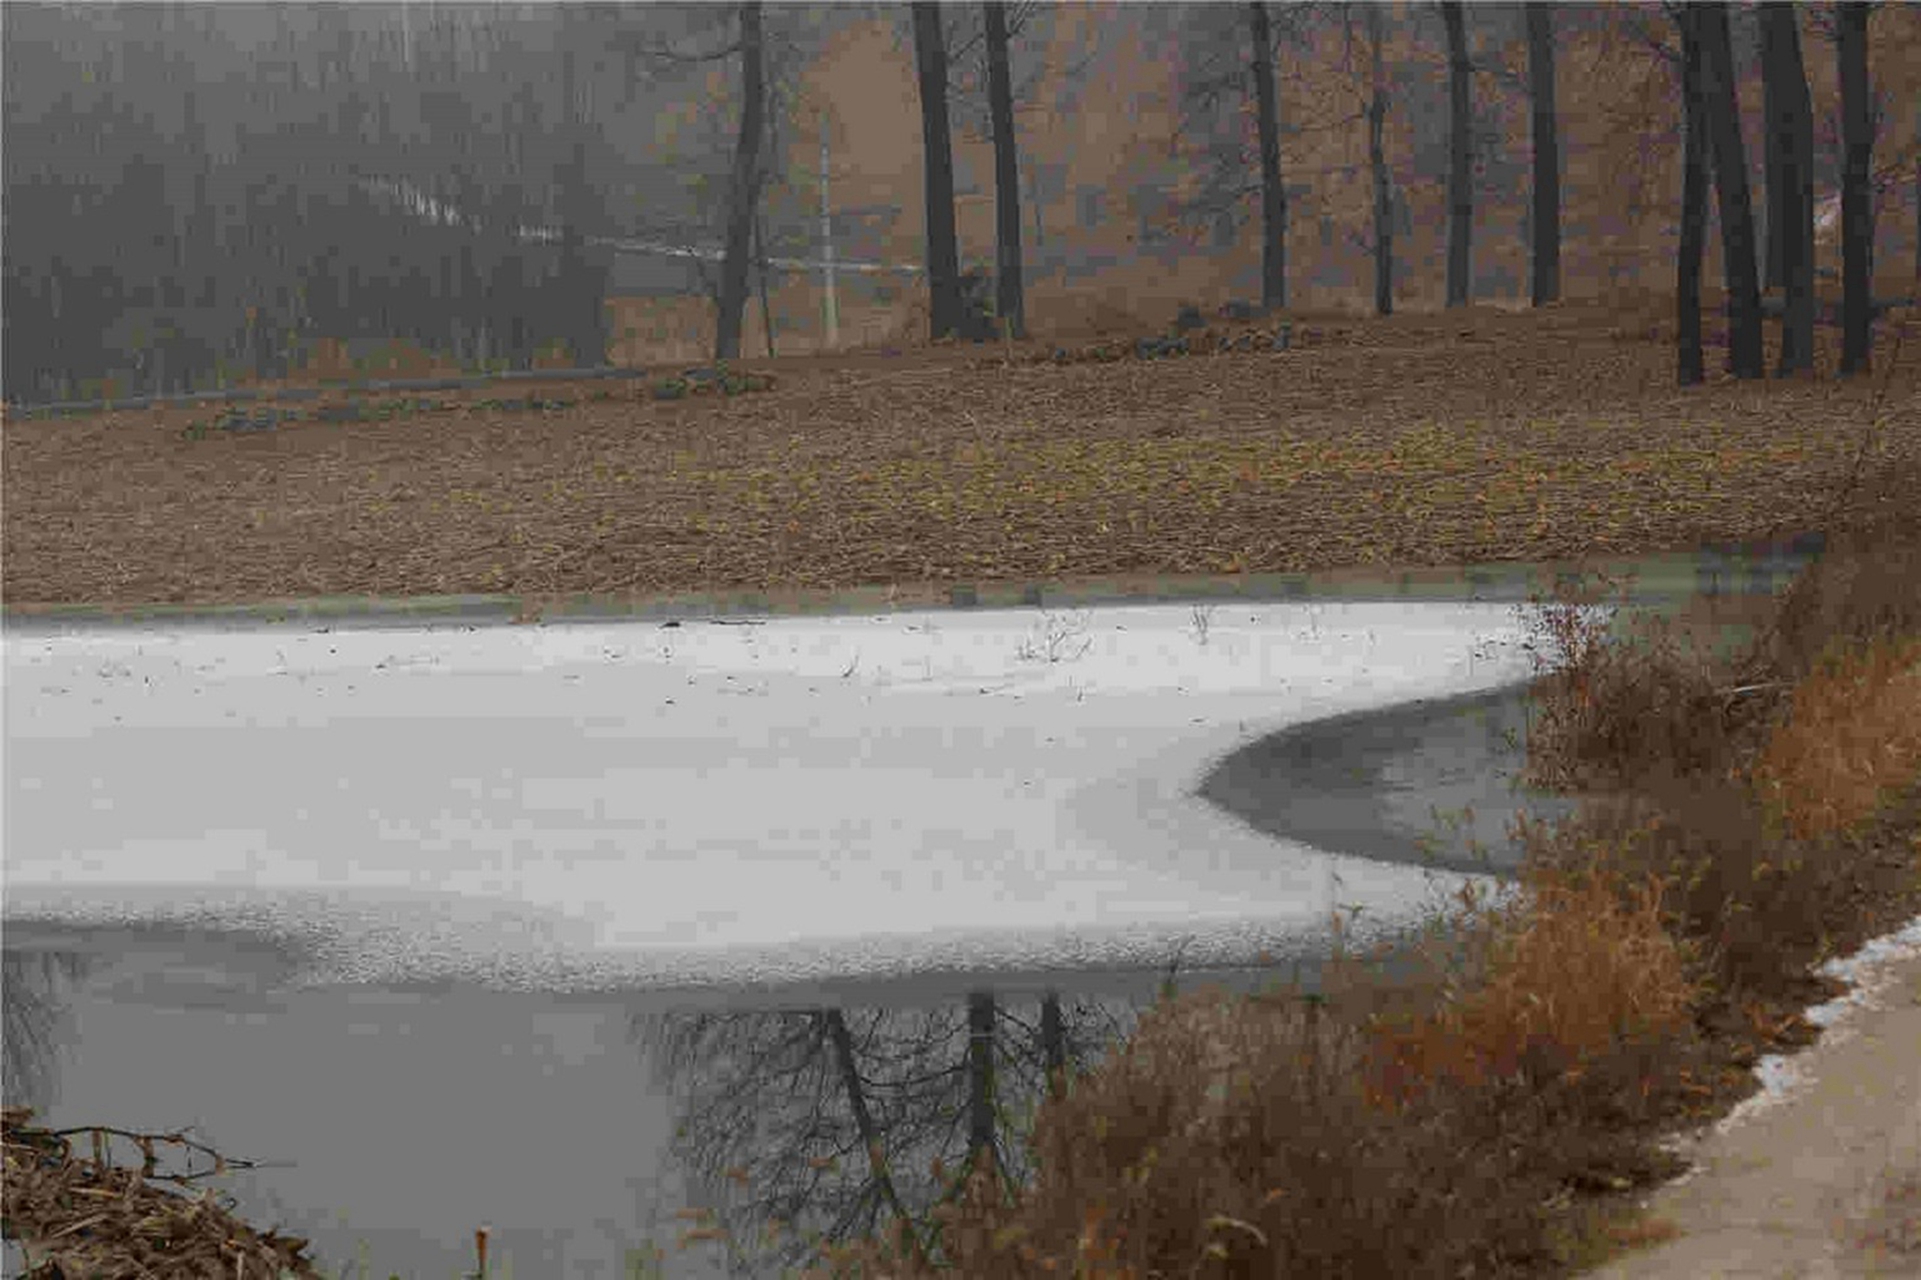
(1819, 1174)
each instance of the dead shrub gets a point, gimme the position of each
(1575, 965)
(1852, 740)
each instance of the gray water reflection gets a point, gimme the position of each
(390, 1123)
(1434, 782)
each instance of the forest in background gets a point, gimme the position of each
(198, 195)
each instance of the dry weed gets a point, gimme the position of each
(1852, 740)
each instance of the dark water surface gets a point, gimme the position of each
(1434, 782)
(390, 1123)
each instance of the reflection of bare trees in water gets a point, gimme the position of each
(30, 1005)
(827, 1123)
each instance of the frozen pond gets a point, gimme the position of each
(450, 926)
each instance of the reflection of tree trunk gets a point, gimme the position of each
(870, 1137)
(1790, 182)
(742, 188)
(1857, 214)
(1377, 160)
(980, 1076)
(937, 160)
(1731, 193)
(1687, 286)
(1010, 303)
(1460, 188)
(1546, 285)
(35, 997)
(1273, 193)
(1054, 1044)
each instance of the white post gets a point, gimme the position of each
(830, 307)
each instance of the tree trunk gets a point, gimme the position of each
(743, 189)
(1460, 179)
(1546, 282)
(943, 252)
(1377, 161)
(1687, 282)
(1731, 194)
(1273, 193)
(1790, 182)
(1009, 297)
(1775, 204)
(760, 276)
(1857, 211)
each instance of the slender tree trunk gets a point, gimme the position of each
(1377, 161)
(1790, 183)
(1546, 281)
(1460, 178)
(743, 188)
(1857, 210)
(1731, 195)
(760, 277)
(1010, 297)
(1687, 283)
(1776, 200)
(1273, 193)
(943, 251)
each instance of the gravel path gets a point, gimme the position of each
(1820, 1173)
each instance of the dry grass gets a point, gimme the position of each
(86, 1216)
(1853, 735)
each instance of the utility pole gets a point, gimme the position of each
(830, 305)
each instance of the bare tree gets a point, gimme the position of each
(826, 1116)
(1694, 150)
(743, 188)
(1790, 177)
(1377, 162)
(1546, 222)
(865, 1130)
(1857, 209)
(943, 250)
(1010, 298)
(1273, 193)
(1460, 177)
(1731, 194)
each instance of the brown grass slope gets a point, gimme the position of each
(1414, 441)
